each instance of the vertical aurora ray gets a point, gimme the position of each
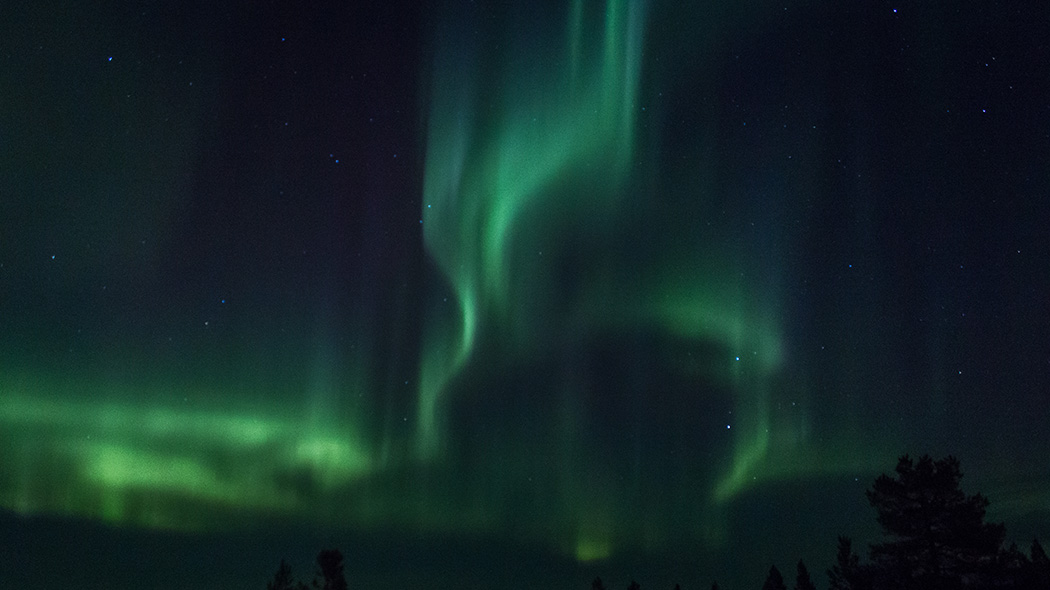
(496, 146)
(532, 149)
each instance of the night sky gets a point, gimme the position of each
(511, 293)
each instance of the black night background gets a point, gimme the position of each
(511, 294)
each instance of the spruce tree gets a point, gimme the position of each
(1015, 570)
(283, 580)
(1038, 554)
(1039, 566)
(802, 580)
(774, 581)
(847, 573)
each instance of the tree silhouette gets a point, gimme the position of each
(597, 584)
(1038, 566)
(330, 563)
(940, 539)
(774, 581)
(847, 573)
(802, 580)
(1038, 554)
(714, 586)
(1014, 568)
(283, 580)
(634, 586)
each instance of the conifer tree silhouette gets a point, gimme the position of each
(1039, 566)
(802, 580)
(774, 581)
(633, 586)
(283, 580)
(847, 573)
(1014, 568)
(1038, 554)
(597, 584)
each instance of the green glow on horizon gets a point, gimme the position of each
(136, 463)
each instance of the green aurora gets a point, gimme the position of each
(530, 164)
(600, 360)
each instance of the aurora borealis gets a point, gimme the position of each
(513, 291)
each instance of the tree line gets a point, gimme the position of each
(936, 539)
(329, 576)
